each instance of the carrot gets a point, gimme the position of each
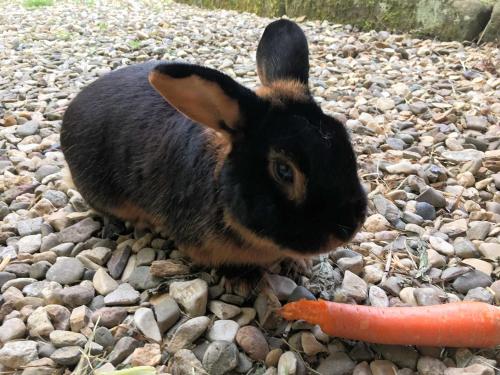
(460, 324)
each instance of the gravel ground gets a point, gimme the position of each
(424, 116)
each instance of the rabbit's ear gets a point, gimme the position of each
(206, 96)
(283, 53)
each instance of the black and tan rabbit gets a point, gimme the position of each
(235, 177)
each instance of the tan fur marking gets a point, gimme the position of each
(129, 211)
(200, 100)
(297, 191)
(220, 146)
(280, 90)
(217, 251)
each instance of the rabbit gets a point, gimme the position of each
(237, 178)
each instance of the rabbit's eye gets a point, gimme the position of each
(283, 172)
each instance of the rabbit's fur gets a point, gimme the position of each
(235, 177)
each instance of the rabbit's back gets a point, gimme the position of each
(133, 156)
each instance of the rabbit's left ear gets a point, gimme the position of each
(206, 96)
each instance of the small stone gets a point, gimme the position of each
(465, 249)
(67, 356)
(66, 271)
(392, 285)
(79, 232)
(77, 295)
(479, 123)
(490, 250)
(45, 349)
(403, 167)
(103, 283)
(432, 197)
(462, 156)
(418, 108)
(186, 363)
(12, 329)
(246, 316)
(435, 259)
(427, 296)
(245, 364)
(452, 273)
(479, 265)
(253, 342)
(191, 295)
(141, 279)
(454, 228)
(373, 273)
(30, 244)
(64, 249)
(273, 357)
(27, 129)
(166, 310)
(122, 296)
(187, 333)
(478, 230)
(118, 261)
(337, 363)
(29, 226)
(18, 283)
(430, 366)
(495, 287)
(385, 104)
(59, 316)
(146, 256)
(109, 317)
(441, 246)
(67, 338)
(223, 310)
(16, 354)
(38, 270)
(104, 337)
(383, 367)
(353, 264)
(376, 223)
(311, 345)
(98, 255)
(471, 280)
(148, 355)
(475, 369)
(288, 364)
(44, 366)
(123, 348)
(377, 297)
(281, 285)
(80, 318)
(145, 320)
(479, 295)
(220, 357)
(6, 276)
(300, 293)
(354, 287)
(223, 330)
(39, 324)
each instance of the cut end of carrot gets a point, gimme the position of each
(299, 310)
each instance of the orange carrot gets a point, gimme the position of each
(460, 324)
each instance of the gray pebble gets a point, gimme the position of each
(220, 357)
(66, 271)
(471, 280)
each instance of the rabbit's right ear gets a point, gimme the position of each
(283, 53)
(205, 95)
